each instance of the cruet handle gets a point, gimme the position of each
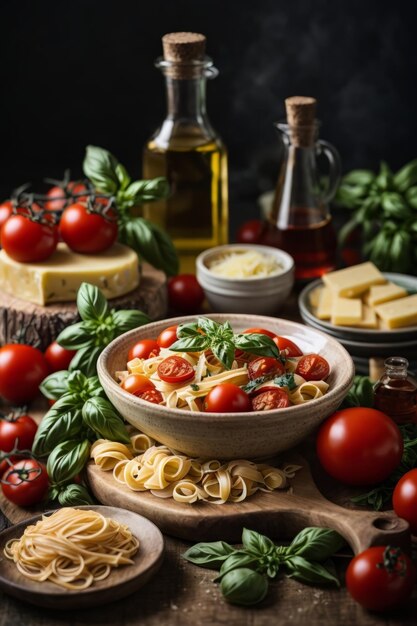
(323, 147)
(211, 72)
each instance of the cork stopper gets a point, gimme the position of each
(185, 51)
(301, 117)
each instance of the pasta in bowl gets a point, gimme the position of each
(172, 394)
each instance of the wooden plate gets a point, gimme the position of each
(119, 584)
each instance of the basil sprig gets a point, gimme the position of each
(98, 327)
(360, 394)
(244, 572)
(207, 334)
(384, 207)
(110, 177)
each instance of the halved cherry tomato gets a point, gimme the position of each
(144, 349)
(286, 344)
(259, 331)
(312, 367)
(86, 231)
(175, 369)
(167, 337)
(28, 241)
(151, 395)
(265, 366)
(137, 384)
(404, 499)
(58, 358)
(227, 398)
(26, 482)
(270, 399)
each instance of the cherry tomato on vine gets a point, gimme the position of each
(26, 482)
(227, 398)
(265, 366)
(167, 337)
(137, 384)
(259, 331)
(175, 369)
(404, 499)
(269, 398)
(58, 197)
(151, 395)
(359, 446)
(144, 349)
(22, 369)
(312, 367)
(28, 241)
(6, 210)
(17, 432)
(249, 232)
(86, 231)
(185, 293)
(289, 346)
(57, 357)
(380, 578)
(7, 462)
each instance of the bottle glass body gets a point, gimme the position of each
(300, 222)
(396, 392)
(187, 151)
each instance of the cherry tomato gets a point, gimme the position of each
(175, 369)
(28, 241)
(58, 197)
(167, 337)
(259, 331)
(185, 293)
(380, 578)
(58, 358)
(359, 446)
(144, 349)
(7, 462)
(17, 432)
(404, 499)
(22, 369)
(289, 346)
(312, 367)
(151, 395)
(270, 399)
(85, 231)
(26, 482)
(227, 398)
(6, 210)
(137, 384)
(265, 366)
(249, 232)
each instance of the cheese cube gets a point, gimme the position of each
(384, 293)
(353, 281)
(324, 308)
(398, 313)
(346, 311)
(369, 318)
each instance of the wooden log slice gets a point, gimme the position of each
(46, 322)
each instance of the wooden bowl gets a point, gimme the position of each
(229, 435)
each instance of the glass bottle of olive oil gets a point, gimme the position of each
(189, 153)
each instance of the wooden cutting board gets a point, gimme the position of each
(278, 514)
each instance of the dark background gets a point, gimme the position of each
(82, 72)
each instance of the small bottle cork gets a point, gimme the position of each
(184, 51)
(301, 117)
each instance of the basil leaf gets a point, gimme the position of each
(188, 330)
(224, 351)
(210, 327)
(255, 343)
(191, 344)
(150, 242)
(252, 384)
(316, 544)
(91, 303)
(86, 360)
(76, 382)
(310, 573)
(93, 387)
(235, 560)
(54, 428)
(74, 495)
(55, 385)
(100, 168)
(406, 177)
(360, 394)
(209, 555)
(122, 176)
(75, 336)
(100, 415)
(243, 586)
(127, 320)
(362, 178)
(142, 191)
(67, 460)
(257, 544)
(286, 380)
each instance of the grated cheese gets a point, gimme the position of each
(248, 264)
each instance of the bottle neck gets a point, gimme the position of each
(186, 99)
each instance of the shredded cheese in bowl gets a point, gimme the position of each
(245, 264)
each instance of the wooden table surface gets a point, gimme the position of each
(182, 594)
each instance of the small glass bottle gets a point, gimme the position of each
(395, 393)
(300, 222)
(189, 152)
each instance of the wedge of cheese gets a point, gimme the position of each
(346, 311)
(378, 294)
(325, 303)
(353, 281)
(398, 313)
(114, 271)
